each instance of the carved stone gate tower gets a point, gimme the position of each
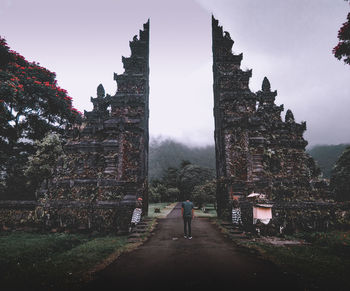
(255, 150)
(105, 167)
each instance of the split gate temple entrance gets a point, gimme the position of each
(105, 169)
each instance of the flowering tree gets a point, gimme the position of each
(342, 50)
(31, 105)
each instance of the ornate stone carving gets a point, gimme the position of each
(106, 159)
(255, 150)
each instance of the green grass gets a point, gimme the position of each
(209, 211)
(165, 208)
(29, 260)
(323, 262)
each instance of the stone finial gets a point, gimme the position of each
(289, 116)
(227, 35)
(100, 91)
(101, 102)
(266, 87)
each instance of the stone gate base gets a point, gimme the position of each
(292, 217)
(63, 215)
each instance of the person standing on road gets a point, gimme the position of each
(187, 212)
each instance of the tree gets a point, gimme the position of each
(158, 193)
(154, 196)
(169, 178)
(190, 176)
(342, 50)
(169, 153)
(172, 194)
(41, 165)
(326, 156)
(340, 179)
(206, 193)
(31, 105)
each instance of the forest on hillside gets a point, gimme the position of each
(168, 153)
(326, 156)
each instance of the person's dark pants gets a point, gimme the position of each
(187, 224)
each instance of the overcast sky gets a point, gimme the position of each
(288, 41)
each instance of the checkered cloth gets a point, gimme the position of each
(136, 216)
(236, 216)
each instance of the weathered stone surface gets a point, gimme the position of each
(61, 215)
(256, 151)
(106, 160)
(298, 216)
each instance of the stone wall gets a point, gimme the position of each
(63, 215)
(292, 217)
(256, 151)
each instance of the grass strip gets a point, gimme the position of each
(52, 261)
(322, 263)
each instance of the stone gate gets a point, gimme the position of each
(256, 151)
(105, 166)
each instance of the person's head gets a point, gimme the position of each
(235, 203)
(139, 202)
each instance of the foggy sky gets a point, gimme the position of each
(288, 41)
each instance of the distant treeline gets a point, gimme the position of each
(326, 156)
(169, 153)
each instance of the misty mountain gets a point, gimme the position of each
(169, 153)
(326, 156)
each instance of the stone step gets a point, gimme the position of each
(239, 238)
(133, 240)
(134, 235)
(139, 231)
(236, 232)
(140, 228)
(142, 223)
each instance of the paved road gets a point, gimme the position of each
(168, 261)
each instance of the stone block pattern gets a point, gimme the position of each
(256, 151)
(106, 159)
(299, 216)
(63, 215)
